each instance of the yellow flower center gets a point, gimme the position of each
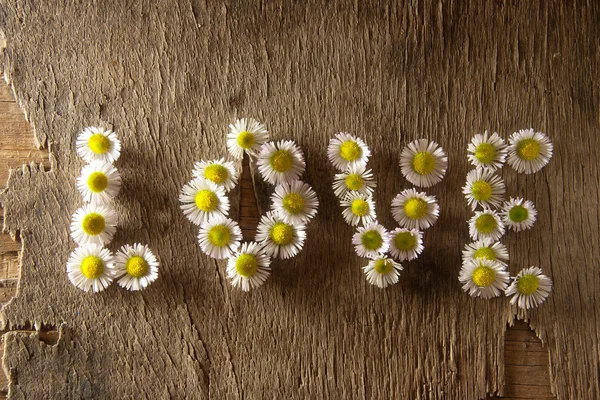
(405, 241)
(485, 153)
(97, 182)
(360, 207)
(136, 266)
(206, 200)
(485, 252)
(350, 150)
(216, 173)
(93, 224)
(528, 284)
(246, 140)
(246, 265)
(281, 161)
(383, 266)
(423, 163)
(485, 223)
(99, 143)
(282, 234)
(483, 276)
(371, 240)
(92, 267)
(528, 149)
(219, 235)
(518, 214)
(354, 182)
(415, 208)
(293, 203)
(481, 190)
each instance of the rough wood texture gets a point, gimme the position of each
(170, 78)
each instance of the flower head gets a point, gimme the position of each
(415, 210)
(518, 214)
(98, 144)
(483, 188)
(486, 224)
(281, 162)
(136, 266)
(529, 151)
(382, 272)
(201, 199)
(483, 278)
(295, 202)
(485, 248)
(346, 150)
(94, 223)
(278, 237)
(99, 182)
(219, 237)
(371, 240)
(487, 151)
(249, 268)
(354, 179)
(423, 163)
(220, 172)
(529, 288)
(246, 135)
(406, 244)
(358, 208)
(91, 267)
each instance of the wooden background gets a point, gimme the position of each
(169, 79)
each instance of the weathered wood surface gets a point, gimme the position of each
(169, 79)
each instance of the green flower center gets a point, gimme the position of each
(354, 182)
(92, 267)
(518, 214)
(485, 153)
(528, 149)
(528, 284)
(383, 266)
(483, 276)
(350, 150)
(486, 223)
(405, 241)
(97, 182)
(99, 143)
(281, 161)
(485, 252)
(219, 235)
(246, 265)
(360, 207)
(481, 190)
(136, 266)
(293, 203)
(206, 200)
(93, 224)
(371, 240)
(423, 163)
(415, 208)
(216, 173)
(282, 234)
(246, 140)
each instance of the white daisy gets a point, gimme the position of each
(355, 179)
(382, 271)
(296, 202)
(529, 151)
(486, 224)
(406, 244)
(483, 188)
(219, 237)
(371, 240)
(487, 151)
(358, 208)
(246, 135)
(99, 182)
(94, 223)
(98, 144)
(485, 248)
(423, 163)
(279, 238)
(220, 172)
(201, 199)
(415, 210)
(483, 278)
(280, 162)
(518, 214)
(91, 267)
(346, 150)
(136, 266)
(249, 267)
(529, 288)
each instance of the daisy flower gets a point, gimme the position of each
(220, 172)
(346, 150)
(201, 199)
(529, 288)
(528, 151)
(485, 248)
(382, 272)
(406, 244)
(94, 223)
(358, 208)
(487, 152)
(249, 268)
(279, 238)
(371, 240)
(136, 266)
(423, 163)
(99, 182)
(483, 278)
(281, 162)
(483, 188)
(486, 224)
(91, 267)
(518, 214)
(415, 210)
(246, 135)
(219, 237)
(355, 179)
(296, 202)
(98, 144)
